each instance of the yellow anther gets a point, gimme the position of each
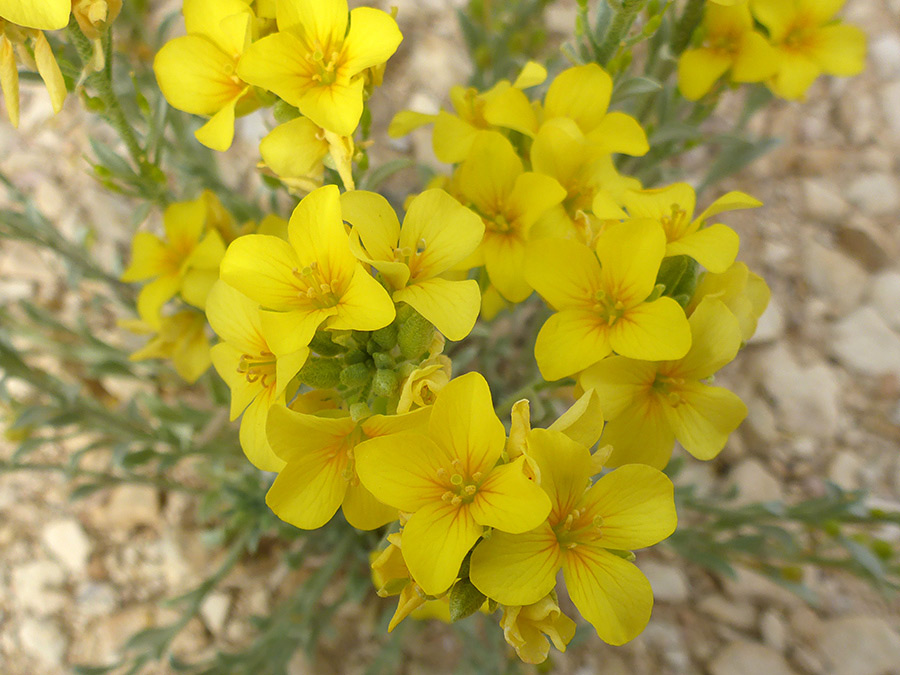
(470, 489)
(477, 476)
(442, 473)
(447, 496)
(456, 501)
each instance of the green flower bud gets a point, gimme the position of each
(355, 356)
(320, 373)
(284, 112)
(386, 337)
(323, 344)
(359, 411)
(383, 360)
(355, 375)
(384, 382)
(415, 336)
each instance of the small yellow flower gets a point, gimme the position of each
(437, 233)
(181, 338)
(297, 151)
(197, 72)
(423, 384)
(451, 483)
(730, 44)
(650, 405)
(744, 292)
(525, 628)
(629, 508)
(13, 39)
(809, 41)
(316, 63)
(602, 300)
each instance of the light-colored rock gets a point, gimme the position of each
(68, 543)
(669, 583)
(754, 483)
(860, 645)
(774, 630)
(866, 242)
(750, 585)
(807, 398)
(737, 614)
(863, 342)
(844, 470)
(890, 106)
(748, 658)
(35, 586)
(884, 296)
(667, 641)
(214, 611)
(771, 324)
(43, 640)
(834, 275)
(876, 194)
(823, 200)
(95, 598)
(131, 506)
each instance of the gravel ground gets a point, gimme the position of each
(821, 378)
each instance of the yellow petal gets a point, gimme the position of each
(364, 305)
(611, 593)
(373, 38)
(560, 150)
(336, 107)
(630, 254)
(637, 505)
(295, 150)
(658, 203)
(840, 49)
(225, 22)
(208, 253)
(621, 133)
(218, 132)
(50, 72)
(516, 569)
(407, 121)
(363, 511)
(154, 295)
(226, 359)
(325, 22)
(821, 10)
(294, 435)
(401, 469)
(504, 258)
(652, 331)
(452, 306)
(715, 340)
(374, 219)
(43, 15)
(262, 268)
(796, 73)
(715, 247)
(195, 75)
(776, 15)
(9, 80)
(464, 424)
(253, 434)
(581, 93)
(531, 75)
(509, 107)
(288, 332)
(452, 138)
(445, 231)
(583, 421)
(640, 434)
(569, 342)
(488, 175)
(508, 501)
(732, 201)
(184, 222)
(565, 467)
(532, 195)
(617, 381)
(755, 61)
(195, 286)
(235, 318)
(148, 258)
(317, 233)
(277, 63)
(698, 70)
(435, 541)
(705, 417)
(565, 273)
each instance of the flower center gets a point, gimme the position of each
(576, 528)
(411, 258)
(668, 387)
(675, 223)
(321, 293)
(609, 308)
(800, 36)
(461, 488)
(325, 64)
(258, 368)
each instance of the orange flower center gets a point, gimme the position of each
(321, 293)
(461, 488)
(609, 308)
(325, 64)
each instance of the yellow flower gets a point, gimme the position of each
(256, 377)
(39, 14)
(509, 200)
(390, 576)
(650, 405)
(525, 628)
(437, 233)
(312, 280)
(629, 508)
(316, 63)
(602, 300)
(809, 41)
(422, 385)
(180, 337)
(186, 262)
(715, 247)
(729, 44)
(745, 293)
(12, 40)
(296, 152)
(450, 482)
(94, 16)
(196, 72)
(582, 94)
(320, 474)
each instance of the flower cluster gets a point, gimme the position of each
(799, 41)
(332, 326)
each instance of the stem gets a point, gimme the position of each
(8, 467)
(690, 19)
(621, 22)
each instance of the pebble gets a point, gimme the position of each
(835, 276)
(864, 343)
(771, 324)
(860, 645)
(737, 614)
(214, 611)
(807, 398)
(865, 242)
(748, 658)
(750, 585)
(669, 583)
(890, 106)
(43, 640)
(845, 470)
(875, 194)
(885, 55)
(754, 483)
(884, 296)
(774, 630)
(68, 543)
(131, 506)
(35, 586)
(823, 200)
(95, 598)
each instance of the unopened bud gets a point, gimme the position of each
(384, 382)
(355, 375)
(321, 373)
(414, 336)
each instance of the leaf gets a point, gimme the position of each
(374, 178)
(634, 86)
(465, 600)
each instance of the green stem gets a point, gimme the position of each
(617, 30)
(169, 486)
(690, 19)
